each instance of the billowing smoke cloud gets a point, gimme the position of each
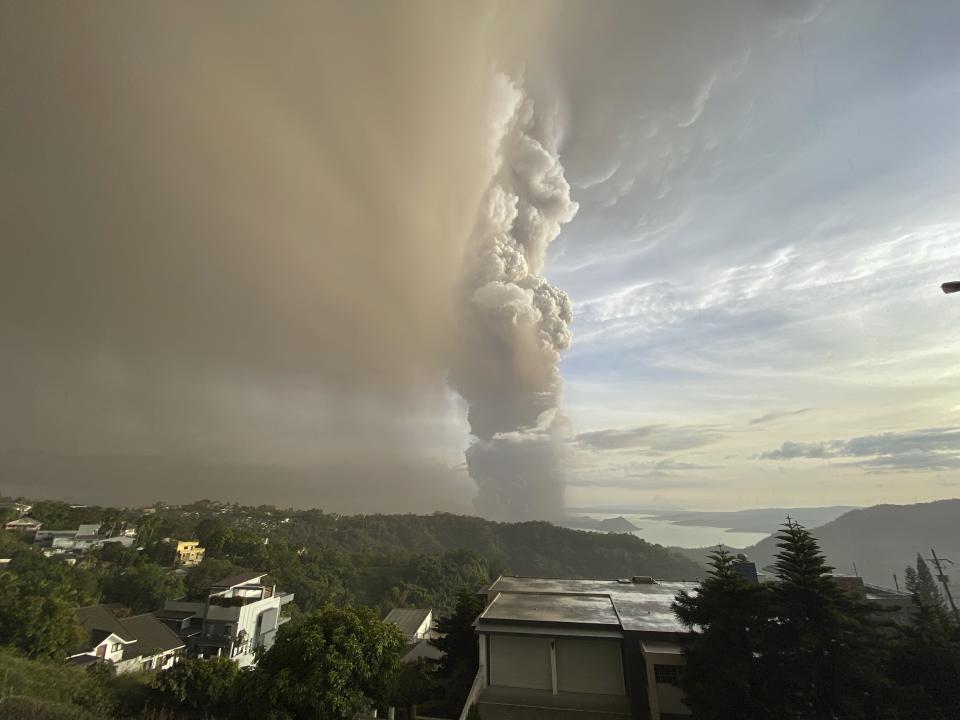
(514, 324)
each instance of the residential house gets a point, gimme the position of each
(86, 537)
(896, 605)
(416, 624)
(578, 648)
(240, 614)
(189, 553)
(23, 524)
(139, 642)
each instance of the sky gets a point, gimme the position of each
(244, 249)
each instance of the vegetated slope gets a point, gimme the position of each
(528, 548)
(883, 539)
(51, 691)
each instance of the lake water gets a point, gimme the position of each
(662, 532)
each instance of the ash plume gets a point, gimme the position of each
(513, 323)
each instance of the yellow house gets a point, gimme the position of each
(189, 552)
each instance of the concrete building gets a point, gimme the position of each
(139, 642)
(189, 553)
(581, 649)
(240, 614)
(85, 537)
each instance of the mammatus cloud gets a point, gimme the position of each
(919, 450)
(513, 323)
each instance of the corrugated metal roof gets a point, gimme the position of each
(408, 620)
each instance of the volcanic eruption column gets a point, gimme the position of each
(515, 324)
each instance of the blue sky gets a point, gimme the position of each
(760, 254)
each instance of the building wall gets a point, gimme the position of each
(587, 665)
(161, 661)
(665, 698)
(522, 662)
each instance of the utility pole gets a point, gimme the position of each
(945, 581)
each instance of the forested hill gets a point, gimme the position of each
(883, 539)
(529, 548)
(383, 561)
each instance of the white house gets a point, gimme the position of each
(240, 614)
(139, 642)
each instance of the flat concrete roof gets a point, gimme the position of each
(526, 607)
(638, 607)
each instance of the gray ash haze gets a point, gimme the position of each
(492, 256)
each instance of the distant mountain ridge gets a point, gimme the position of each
(756, 519)
(880, 540)
(617, 524)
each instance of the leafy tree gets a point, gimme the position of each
(196, 688)
(143, 587)
(215, 535)
(200, 577)
(40, 626)
(725, 616)
(112, 522)
(334, 664)
(39, 575)
(61, 516)
(414, 684)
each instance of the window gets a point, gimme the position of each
(667, 674)
(115, 647)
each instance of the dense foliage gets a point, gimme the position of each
(804, 649)
(331, 665)
(196, 688)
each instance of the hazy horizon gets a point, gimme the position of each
(486, 257)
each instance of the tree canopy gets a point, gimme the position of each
(331, 665)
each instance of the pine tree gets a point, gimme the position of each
(930, 617)
(723, 616)
(927, 659)
(822, 655)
